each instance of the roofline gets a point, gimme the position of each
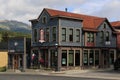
(33, 20)
(67, 17)
(93, 30)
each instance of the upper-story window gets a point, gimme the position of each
(63, 34)
(44, 19)
(42, 36)
(102, 36)
(104, 26)
(107, 36)
(54, 33)
(71, 35)
(90, 37)
(77, 35)
(47, 34)
(35, 35)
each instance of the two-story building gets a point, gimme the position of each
(116, 25)
(69, 40)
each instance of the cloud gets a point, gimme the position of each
(24, 10)
(110, 10)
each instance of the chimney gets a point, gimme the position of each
(66, 9)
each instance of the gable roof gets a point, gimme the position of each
(115, 24)
(89, 22)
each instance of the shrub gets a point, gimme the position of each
(2, 69)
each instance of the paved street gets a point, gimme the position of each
(63, 75)
(41, 77)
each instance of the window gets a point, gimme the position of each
(71, 57)
(102, 36)
(90, 37)
(47, 34)
(112, 56)
(54, 33)
(96, 57)
(77, 57)
(104, 26)
(64, 58)
(77, 35)
(71, 35)
(85, 57)
(107, 36)
(44, 20)
(63, 34)
(42, 36)
(91, 57)
(35, 35)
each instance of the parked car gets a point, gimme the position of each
(117, 64)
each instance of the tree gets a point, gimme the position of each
(5, 36)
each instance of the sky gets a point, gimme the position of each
(25, 10)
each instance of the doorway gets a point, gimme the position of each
(105, 58)
(16, 63)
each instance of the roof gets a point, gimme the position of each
(115, 24)
(89, 22)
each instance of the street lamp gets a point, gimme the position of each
(56, 57)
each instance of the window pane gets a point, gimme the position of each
(96, 57)
(63, 31)
(71, 35)
(54, 34)
(77, 57)
(71, 31)
(77, 35)
(35, 35)
(63, 34)
(47, 34)
(71, 57)
(91, 57)
(64, 58)
(85, 57)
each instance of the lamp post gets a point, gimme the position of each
(56, 57)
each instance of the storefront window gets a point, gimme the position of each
(85, 57)
(91, 57)
(77, 57)
(96, 57)
(111, 57)
(64, 58)
(71, 57)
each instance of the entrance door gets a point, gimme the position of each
(16, 64)
(105, 58)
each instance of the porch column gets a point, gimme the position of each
(94, 58)
(59, 59)
(74, 58)
(24, 66)
(115, 55)
(39, 57)
(81, 59)
(67, 59)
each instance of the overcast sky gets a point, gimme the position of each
(24, 10)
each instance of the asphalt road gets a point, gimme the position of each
(40, 77)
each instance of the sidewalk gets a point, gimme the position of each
(100, 73)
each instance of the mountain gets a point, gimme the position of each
(14, 26)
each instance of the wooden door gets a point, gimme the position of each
(16, 61)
